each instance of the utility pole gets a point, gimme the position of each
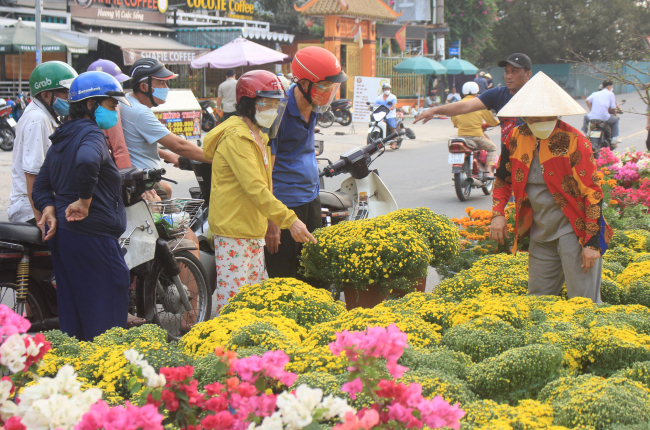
(39, 46)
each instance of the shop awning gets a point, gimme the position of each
(216, 37)
(21, 38)
(259, 33)
(164, 49)
(131, 26)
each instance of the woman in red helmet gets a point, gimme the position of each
(317, 77)
(242, 200)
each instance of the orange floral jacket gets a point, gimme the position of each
(569, 170)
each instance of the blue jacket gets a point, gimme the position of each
(79, 166)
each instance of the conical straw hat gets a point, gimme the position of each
(541, 97)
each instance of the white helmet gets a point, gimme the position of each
(3, 102)
(470, 88)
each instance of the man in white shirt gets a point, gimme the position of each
(453, 96)
(227, 95)
(48, 84)
(601, 104)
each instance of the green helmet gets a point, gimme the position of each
(51, 76)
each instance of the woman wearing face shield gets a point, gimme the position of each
(550, 169)
(242, 201)
(78, 189)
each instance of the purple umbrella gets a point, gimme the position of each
(239, 52)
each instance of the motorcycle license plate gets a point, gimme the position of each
(456, 158)
(596, 134)
(11, 121)
(209, 109)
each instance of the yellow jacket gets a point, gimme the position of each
(469, 124)
(241, 199)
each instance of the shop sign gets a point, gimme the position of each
(167, 57)
(154, 5)
(113, 13)
(186, 124)
(366, 90)
(235, 8)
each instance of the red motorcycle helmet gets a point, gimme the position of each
(323, 71)
(264, 85)
(259, 83)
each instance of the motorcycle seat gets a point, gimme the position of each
(204, 103)
(20, 232)
(339, 103)
(335, 201)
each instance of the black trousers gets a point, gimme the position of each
(647, 141)
(284, 263)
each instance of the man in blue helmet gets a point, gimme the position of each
(79, 192)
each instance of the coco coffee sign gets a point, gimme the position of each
(235, 8)
(159, 5)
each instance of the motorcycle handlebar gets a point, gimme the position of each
(369, 149)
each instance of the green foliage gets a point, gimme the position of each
(614, 266)
(595, 402)
(630, 217)
(327, 382)
(258, 334)
(566, 24)
(638, 292)
(610, 291)
(437, 358)
(482, 338)
(64, 344)
(471, 21)
(639, 372)
(620, 255)
(438, 383)
(517, 373)
(210, 369)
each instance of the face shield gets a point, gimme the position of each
(322, 93)
(268, 114)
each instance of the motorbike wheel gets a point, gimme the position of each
(162, 301)
(7, 139)
(461, 184)
(347, 117)
(207, 123)
(326, 120)
(36, 308)
(374, 136)
(487, 189)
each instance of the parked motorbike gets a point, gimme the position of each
(7, 127)
(599, 133)
(208, 120)
(363, 195)
(469, 168)
(170, 287)
(339, 112)
(377, 130)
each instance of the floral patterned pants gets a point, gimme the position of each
(239, 262)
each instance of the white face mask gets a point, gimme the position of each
(266, 118)
(387, 92)
(542, 130)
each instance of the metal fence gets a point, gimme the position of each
(9, 89)
(580, 80)
(405, 85)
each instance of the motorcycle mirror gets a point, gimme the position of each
(410, 134)
(622, 102)
(367, 103)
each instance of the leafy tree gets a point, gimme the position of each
(471, 22)
(546, 30)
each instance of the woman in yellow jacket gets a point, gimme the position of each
(242, 201)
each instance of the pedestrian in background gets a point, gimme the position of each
(482, 82)
(114, 135)
(227, 94)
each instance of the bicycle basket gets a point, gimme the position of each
(174, 216)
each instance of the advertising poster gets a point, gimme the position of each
(366, 90)
(181, 114)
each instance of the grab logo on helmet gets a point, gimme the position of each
(44, 83)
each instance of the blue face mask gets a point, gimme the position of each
(105, 118)
(61, 107)
(161, 93)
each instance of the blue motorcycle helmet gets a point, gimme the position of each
(98, 87)
(96, 84)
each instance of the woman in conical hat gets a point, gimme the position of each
(550, 169)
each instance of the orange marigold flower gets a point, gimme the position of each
(469, 209)
(613, 202)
